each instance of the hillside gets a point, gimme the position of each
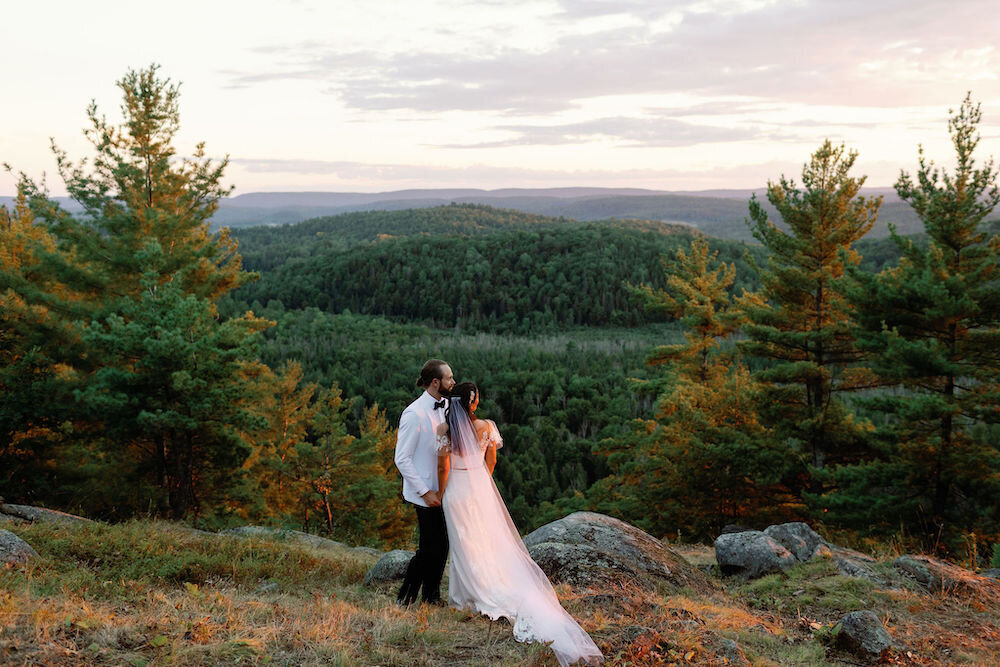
(467, 266)
(147, 592)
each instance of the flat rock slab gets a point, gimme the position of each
(862, 633)
(390, 567)
(37, 514)
(751, 554)
(622, 546)
(937, 576)
(14, 550)
(284, 534)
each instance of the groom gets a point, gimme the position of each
(416, 460)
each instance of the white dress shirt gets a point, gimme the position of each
(416, 450)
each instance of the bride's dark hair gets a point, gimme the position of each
(464, 392)
(459, 421)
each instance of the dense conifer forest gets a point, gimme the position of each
(637, 368)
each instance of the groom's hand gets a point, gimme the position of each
(432, 499)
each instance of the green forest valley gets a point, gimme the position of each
(169, 382)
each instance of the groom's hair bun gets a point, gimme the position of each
(430, 372)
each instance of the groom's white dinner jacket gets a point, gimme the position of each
(416, 450)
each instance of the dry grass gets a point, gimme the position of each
(151, 593)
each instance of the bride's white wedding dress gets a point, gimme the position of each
(491, 571)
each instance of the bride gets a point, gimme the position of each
(491, 571)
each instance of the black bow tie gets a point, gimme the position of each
(439, 405)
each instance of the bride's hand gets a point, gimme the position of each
(442, 428)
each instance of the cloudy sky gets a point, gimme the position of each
(377, 95)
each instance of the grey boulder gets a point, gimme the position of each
(862, 633)
(589, 547)
(390, 567)
(14, 550)
(751, 554)
(801, 540)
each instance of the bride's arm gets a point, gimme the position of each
(491, 458)
(444, 467)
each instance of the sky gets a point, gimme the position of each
(380, 95)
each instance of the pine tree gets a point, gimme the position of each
(800, 321)
(135, 193)
(701, 462)
(286, 407)
(36, 339)
(175, 394)
(932, 326)
(698, 297)
(161, 382)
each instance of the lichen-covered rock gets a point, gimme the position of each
(583, 566)
(849, 567)
(629, 553)
(390, 567)
(37, 514)
(801, 540)
(751, 554)
(862, 633)
(938, 576)
(731, 652)
(14, 550)
(992, 573)
(284, 534)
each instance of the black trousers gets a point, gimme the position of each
(427, 565)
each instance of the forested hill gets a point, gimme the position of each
(466, 266)
(264, 248)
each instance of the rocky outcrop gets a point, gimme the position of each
(589, 550)
(862, 633)
(937, 576)
(390, 567)
(36, 514)
(283, 534)
(751, 554)
(314, 541)
(14, 550)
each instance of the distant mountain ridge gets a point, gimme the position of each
(720, 213)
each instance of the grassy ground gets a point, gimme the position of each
(155, 593)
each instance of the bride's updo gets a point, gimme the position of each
(464, 392)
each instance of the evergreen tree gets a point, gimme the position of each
(135, 192)
(932, 325)
(286, 406)
(28, 332)
(701, 462)
(799, 322)
(175, 394)
(161, 384)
